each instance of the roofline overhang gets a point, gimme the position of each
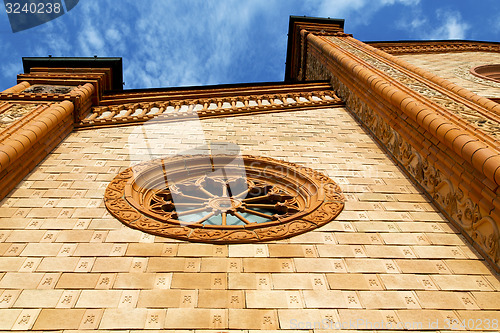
(114, 63)
(292, 36)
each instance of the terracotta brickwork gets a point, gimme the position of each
(389, 257)
(436, 147)
(414, 152)
(38, 113)
(456, 67)
(23, 146)
(168, 106)
(449, 46)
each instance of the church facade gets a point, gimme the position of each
(362, 193)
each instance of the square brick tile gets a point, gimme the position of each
(99, 299)
(354, 281)
(144, 249)
(324, 299)
(291, 319)
(50, 319)
(461, 282)
(467, 266)
(487, 300)
(91, 319)
(408, 282)
(384, 299)
(273, 299)
(123, 319)
(199, 280)
(445, 300)
(38, 298)
(221, 265)
(8, 298)
(267, 265)
(135, 281)
(426, 319)
(253, 319)
(248, 250)
(478, 320)
(58, 264)
(249, 281)
(341, 251)
(360, 319)
(161, 298)
(221, 299)
(49, 281)
(68, 299)
(155, 319)
(112, 265)
(161, 264)
(320, 265)
(26, 319)
(298, 281)
(196, 319)
(422, 266)
(77, 281)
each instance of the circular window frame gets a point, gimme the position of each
(489, 72)
(317, 199)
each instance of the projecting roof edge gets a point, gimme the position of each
(114, 63)
(336, 23)
(433, 46)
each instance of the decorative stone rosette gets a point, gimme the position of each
(222, 202)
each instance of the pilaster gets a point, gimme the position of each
(428, 125)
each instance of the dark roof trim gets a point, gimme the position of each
(115, 63)
(305, 19)
(430, 41)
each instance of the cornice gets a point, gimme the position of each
(140, 108)
(440, 46)
(449, 160)
(296, 43)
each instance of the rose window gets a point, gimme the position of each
(212, 199)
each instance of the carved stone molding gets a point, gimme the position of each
(173, 110)
(48, 89)
(462, 209)
(12, 112)
(487, 72)
(186, 198)
(474, 115)
(435, 46)
(464, 72)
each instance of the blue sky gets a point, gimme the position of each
(168, 43)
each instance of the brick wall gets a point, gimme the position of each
(390, 256)
(455, 66)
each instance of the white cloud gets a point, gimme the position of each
(190, 47)
(11, 69)
(452, 27)
(355, 12)
(163, 43)
(444, 24)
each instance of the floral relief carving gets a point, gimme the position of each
(14, 113)
(48, 89)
